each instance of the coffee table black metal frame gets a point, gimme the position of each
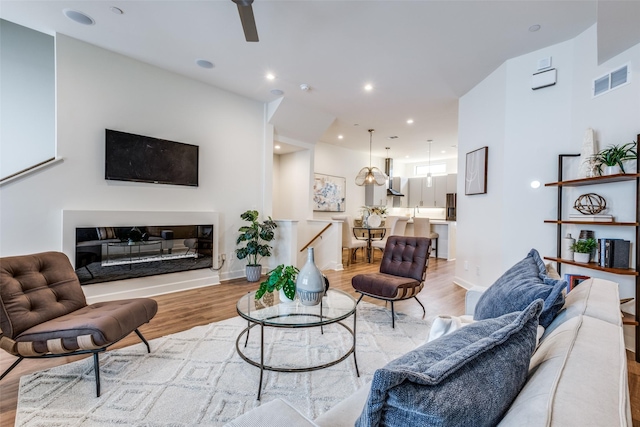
(297, 310)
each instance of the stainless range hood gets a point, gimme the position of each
(388, 169)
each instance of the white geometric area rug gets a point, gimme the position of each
(196, 377)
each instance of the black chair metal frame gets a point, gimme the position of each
(95, 352)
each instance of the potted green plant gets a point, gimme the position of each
(582, 250)
(255, 237)
(613, 158)
(282, 279)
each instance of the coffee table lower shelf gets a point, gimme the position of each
(322, 322)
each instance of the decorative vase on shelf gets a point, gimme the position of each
(567, 243)
(612, 170)
(581, 257)
(310, 284)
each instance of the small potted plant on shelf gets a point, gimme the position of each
(582, 250)
(257, 236)
(614, 157)
(281, 279)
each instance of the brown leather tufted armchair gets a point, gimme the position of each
(44, 313)
(402, 272)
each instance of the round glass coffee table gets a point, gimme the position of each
(269, 311)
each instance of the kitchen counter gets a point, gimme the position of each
(447, 240)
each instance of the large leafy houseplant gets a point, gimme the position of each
(279, 278)
(255, 237)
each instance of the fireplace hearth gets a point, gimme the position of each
(104, 254)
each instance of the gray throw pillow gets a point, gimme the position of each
(523, 283)
(466, 378)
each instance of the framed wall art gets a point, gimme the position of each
(329, 193)
(475, 172)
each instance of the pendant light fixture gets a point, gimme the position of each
(429, 178)
(370, 174)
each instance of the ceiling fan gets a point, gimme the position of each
(246, 17)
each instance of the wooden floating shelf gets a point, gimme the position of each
(595, 180)
(612, 223)
(595, 266)
(629, 319)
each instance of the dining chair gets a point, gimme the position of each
(349, 241)
(422, 228)
(403, 270)
(396, 226)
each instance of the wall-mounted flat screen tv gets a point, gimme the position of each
(130, 157)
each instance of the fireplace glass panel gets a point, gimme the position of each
(105, 254)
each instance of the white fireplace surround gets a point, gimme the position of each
(143, 286)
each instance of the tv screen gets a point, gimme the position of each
(130, 157)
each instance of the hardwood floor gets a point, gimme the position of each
(183, 310)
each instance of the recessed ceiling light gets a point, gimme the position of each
(443, 151)
(535, 184)
(79, 17)
(277, 147)
(270, 76)
(277, 92)
(340, 136)
(410, 121)
(406, 157)
(534, 28)
(368, 87)
(116, 10)
(204, 63)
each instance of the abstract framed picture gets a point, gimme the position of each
(329, 193)
(475, 172)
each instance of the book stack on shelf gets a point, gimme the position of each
(574, 280)
(591, 218)
(614, 253)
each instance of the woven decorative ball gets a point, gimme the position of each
(590, 204)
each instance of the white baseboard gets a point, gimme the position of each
(463, 283)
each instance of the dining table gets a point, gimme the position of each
(369, 234)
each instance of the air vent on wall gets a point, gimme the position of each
(612, 80)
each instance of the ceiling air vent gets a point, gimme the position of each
(612, 80)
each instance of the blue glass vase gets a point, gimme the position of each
(310, 284)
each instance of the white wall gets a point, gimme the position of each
(27, 98)
(98, 89)
(525, 131)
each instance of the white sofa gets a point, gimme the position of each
(577, 375)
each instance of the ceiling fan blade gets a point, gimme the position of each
(248, 22)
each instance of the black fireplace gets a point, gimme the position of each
(109, 253)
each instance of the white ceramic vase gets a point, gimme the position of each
(581, 257)
(310, 283)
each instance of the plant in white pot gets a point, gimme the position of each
(283, 279)
(255, 238)
(612, 159)
(582, 250)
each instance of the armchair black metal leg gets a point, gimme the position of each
(143, 340)
(96, 371)
(361, 296)
(393, 317)
(424, 312)
(4, 374)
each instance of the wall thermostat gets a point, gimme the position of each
(544, 79)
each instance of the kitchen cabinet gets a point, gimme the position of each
(429, 197)
(375, 195)
(452, 183)
(402, 185)
(634, 233)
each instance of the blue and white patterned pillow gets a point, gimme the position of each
(469, 377)
(523, 283)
